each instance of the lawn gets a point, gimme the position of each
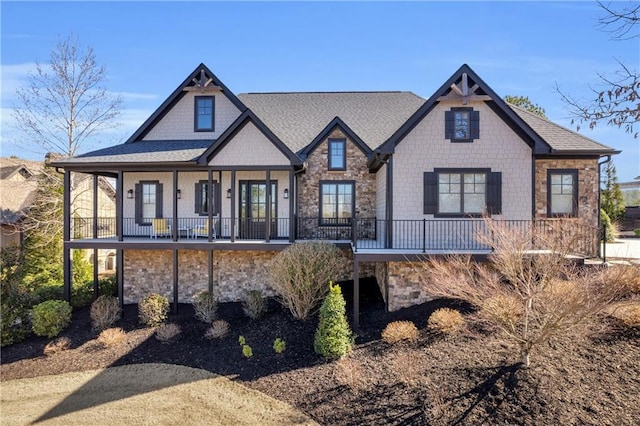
(471, 378)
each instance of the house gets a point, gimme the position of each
(213, 184)
(18, 185)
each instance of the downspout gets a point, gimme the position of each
(602, 248)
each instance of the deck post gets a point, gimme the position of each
(175, 281)
(66, 230)
(292, 222)
(95, 236)
(210, 267)
(233, 206)
(174, 229)
(120, 276)
(210, 205)
(267, 213)
(356, 294)
(95, 273)
(119, 205)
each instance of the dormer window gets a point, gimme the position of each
(337, 154)
(204, 106)
(462, 124)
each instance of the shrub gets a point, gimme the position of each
(50, 318)
(446, 321)
(503, 308)
(81, 294)
(15, 321)
(636, 232)
(349, 372)
(300, 273)
(279, 345)
(111, 337)
(153, 309)
(218, 330)
(333, 337)
(242, 340)
(254, 304)
(48, 292)
(205, 306)
(247, 352)
(628, 313)
(399, 331)
(107, 286)
(404, 365)
(607, 228)
(105, 311)
(167, 333)
(58, 345)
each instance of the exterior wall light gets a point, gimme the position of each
(286, 194)
(229, 193)
(178, 194)
(130, 194)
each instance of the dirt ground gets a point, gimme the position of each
(469, 379)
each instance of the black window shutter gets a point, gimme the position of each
(474, 124)
(448, 125)
(494, 193)
(198, 198)
(158, 200)
(138, 203)
(430, 192)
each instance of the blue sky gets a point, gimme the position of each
(518, 48)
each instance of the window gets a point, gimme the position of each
(462, 192)
(337, 154)
(462, 124)
(148, 201)
(204, 106)
(562, 192)
(202, 197)
(337, 202)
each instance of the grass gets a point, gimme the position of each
(141, 394)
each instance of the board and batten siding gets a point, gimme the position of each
(178, 123)
(498, 148)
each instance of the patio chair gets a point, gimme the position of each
(160, 227)
(203, 230)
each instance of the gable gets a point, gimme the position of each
(249, 147)
(178, 121)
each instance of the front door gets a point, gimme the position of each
(253, 210)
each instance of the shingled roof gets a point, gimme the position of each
(297, 118)
(166, 151)
(560, 138)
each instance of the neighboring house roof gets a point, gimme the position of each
(167, 151)
(297, 118)
(9, 171)
(560, 138)
(16, 198)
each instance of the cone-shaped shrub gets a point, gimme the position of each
(333, 337)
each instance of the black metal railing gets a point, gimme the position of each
(363, 233)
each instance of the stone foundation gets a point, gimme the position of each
(234, 273)
(406, 286)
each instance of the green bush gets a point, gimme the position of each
(48, 292)
(607, 229)
(279, 345)
(333, 338)
(247, 351)
(107, 286)
(50, 318)
(82, 294)
(153, 310)
(637, 232)
(300, 273)
(15, 322)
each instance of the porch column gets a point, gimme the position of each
(174, 228)
(233, 206)
(267, 212)
(119, 205)
(95, 236)
(356, 294)
(210, 204)
(66, 230)
(175, 281)
(292, 223)
(389, 204)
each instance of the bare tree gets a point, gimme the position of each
(65, 103)
(615, 100)
(529, 295)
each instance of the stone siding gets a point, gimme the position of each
(381, 274)
(234, 273)
(317, 170)
(406, 286)
(587, 186)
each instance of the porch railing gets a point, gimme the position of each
(421, 235)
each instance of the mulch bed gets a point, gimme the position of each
(469, 379)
